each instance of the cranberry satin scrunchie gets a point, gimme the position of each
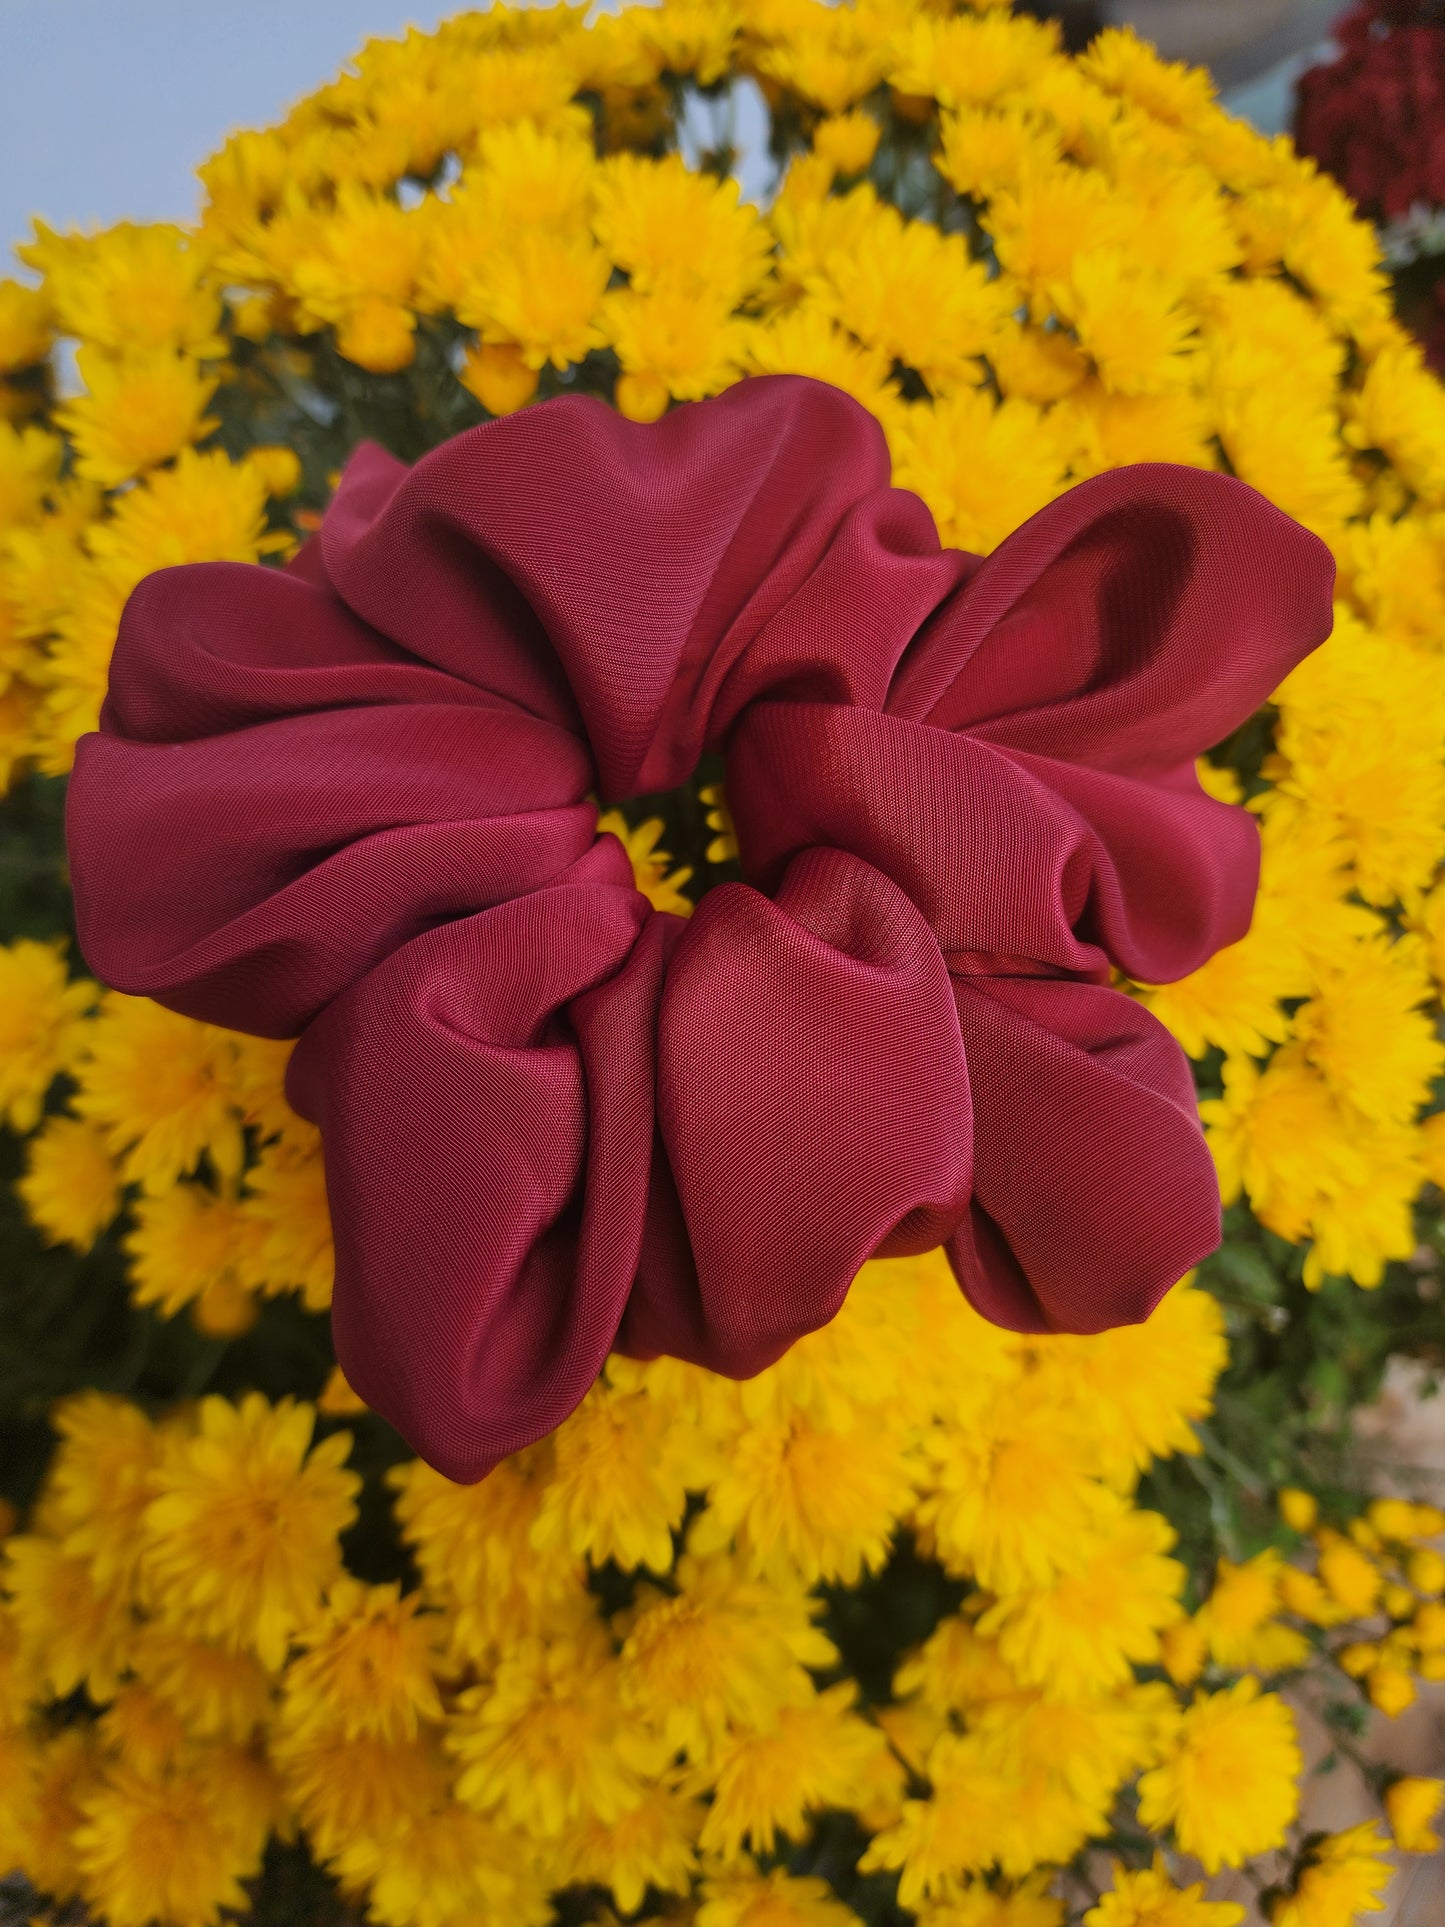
(349, 801)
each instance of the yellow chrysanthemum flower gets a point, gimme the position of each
(260, 1084)
(1411, 1803)
(775, 1899)
(42, 1028)
(974, 1904)
(1400, 410)
(818, 1753)
(142, 1730)
(983, 468)
(651, 1844)
(1139, 1388)
(1239, 1622)
(442, 1867)
(1378, 784)
(1012, 1498)
(916, 296)
(1366, 1033)
(348, 1791)
(285, 1209)
(721, 1653)
(135, 413)
(1072, 1756)
(668, 226)
(29, 465)
(161, 1089)
(971, 61)
(99, 1483)
(956, 1670)
(1350, 1577)
(526, 175)
(820, 1500)
(849, 141)
(175, 1846)
(25, 326)
(60, 1772)
(185, 1244)
(661, 885)
(1281, 1137)
(986, 1809)
(1234, 1000)
(861, 1366)
(621, 1471)
(75, 667)
(40, 560)
(672, 341)
(241, 1538)
(686, 36)
(279, 467)
(70, 1187)
(832, 75)
(1343, 1877)
(1080, 1635)
(368, 1665)
(217, 1694)
(1147, 1897)
(496, 373)
(540, 292)
(1229, 1786)
(986, 149)
(541, 1746)
(73, 1631)
(806, 341)
(1131, 320)
(361, 277)
(376, 334)
(129, 288)
(202, 509)
(473, 1545)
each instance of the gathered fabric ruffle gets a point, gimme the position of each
(352, 801)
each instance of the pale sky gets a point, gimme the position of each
(107, 106)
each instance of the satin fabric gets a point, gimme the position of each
(351, 801)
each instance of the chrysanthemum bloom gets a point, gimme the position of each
(1343, 1877)
(1230, 1785)
(351, 800)
(1147, 1897)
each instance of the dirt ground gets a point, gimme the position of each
(1404, 1436)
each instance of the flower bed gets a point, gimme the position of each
(928, 1619)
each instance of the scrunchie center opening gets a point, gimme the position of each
(694, 848)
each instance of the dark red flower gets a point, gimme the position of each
(350, 801)
(1374, 116)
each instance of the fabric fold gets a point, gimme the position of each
(452, 1097)
(813, 1098)
(1096, 1192)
